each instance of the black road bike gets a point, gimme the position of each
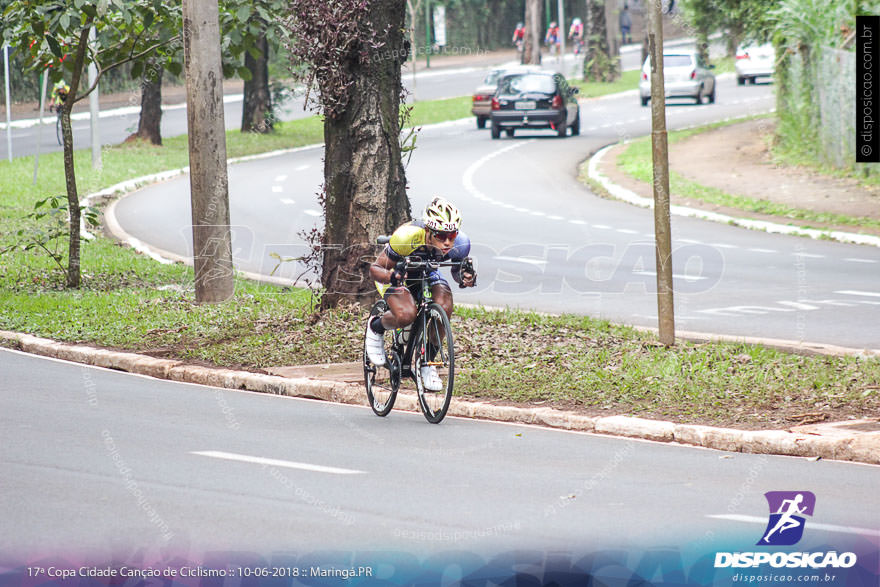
(427, 342)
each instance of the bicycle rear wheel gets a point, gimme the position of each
(382, 382)
(436, 349)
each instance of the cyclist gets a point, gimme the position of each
(519, 35)
(576, 34)
(551, 39)
(436, 236)
(59, 95)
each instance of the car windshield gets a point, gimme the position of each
(677, 61)
(518, 84)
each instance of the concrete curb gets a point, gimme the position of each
(843, 446)
(631, 197)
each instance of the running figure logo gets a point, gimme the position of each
(786, 524)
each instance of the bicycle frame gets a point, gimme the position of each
(406, 339)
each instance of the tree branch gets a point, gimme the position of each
(103, 70)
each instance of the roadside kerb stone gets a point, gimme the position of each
(839, 446)
(636, 427)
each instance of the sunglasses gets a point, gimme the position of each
(440, 235)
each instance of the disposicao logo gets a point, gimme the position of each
(786, 524)
(785, 528)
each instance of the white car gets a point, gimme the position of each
(754, 61)
(685, 75)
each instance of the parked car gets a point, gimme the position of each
(535, 100)
(754, 61)
(685, 75)
(481, 105)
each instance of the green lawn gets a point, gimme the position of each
(128, 301)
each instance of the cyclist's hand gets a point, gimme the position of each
(398, 275)
(468, 279)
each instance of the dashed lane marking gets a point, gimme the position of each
(815, 526)
(215, 454)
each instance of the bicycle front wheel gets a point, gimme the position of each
(434, 364)
(382, 382)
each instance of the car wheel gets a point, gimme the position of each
(509, 131)
(496, 131)
(561, 129)
(699, 96)
(645, 101)
(753, 80)
(481, 122)
(740, 81)
(712, 95)
(576, 127)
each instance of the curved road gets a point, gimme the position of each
(107, 467)
(545, 242)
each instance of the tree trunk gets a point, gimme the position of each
(256, 114)
(612, 14)
(149, 124)
(599, 63)
(364, 179)
(532, 43)
(73, 244)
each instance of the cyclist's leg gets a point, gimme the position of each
(402, 308)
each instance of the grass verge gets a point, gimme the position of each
(130, 302)
(636, 161)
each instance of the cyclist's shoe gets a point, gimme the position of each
(430, 378)
(375, 347)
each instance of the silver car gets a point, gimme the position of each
(754, 61)
(481, 103)
(685, 75)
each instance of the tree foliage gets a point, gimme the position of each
(56, 34)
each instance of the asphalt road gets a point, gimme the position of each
(97, 463)
(117, 124)
(545, 242)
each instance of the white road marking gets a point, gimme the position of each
(852, 260)
(808, 255)
(675, 275)
(762, 251)
(723, 246)
(814, 526)
(601, 226)
(528, 260)
(555, 217)
(215, 454)
(313, 212)
(627, 231)
(277, 189)
(288, 201)
(280, 178)
(577, 221)
(302, 167)
(852, 292)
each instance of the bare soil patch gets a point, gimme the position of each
(736, 159)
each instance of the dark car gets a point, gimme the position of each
(535, 100)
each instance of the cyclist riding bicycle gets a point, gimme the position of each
(551, 39)
(519, 35)
(436, 236)
(576, 34)
(59, 95)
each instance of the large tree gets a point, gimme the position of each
(57, 33)
(601, 54)
(352, 51)
(531, 53)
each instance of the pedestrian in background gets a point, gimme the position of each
(625, 25)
